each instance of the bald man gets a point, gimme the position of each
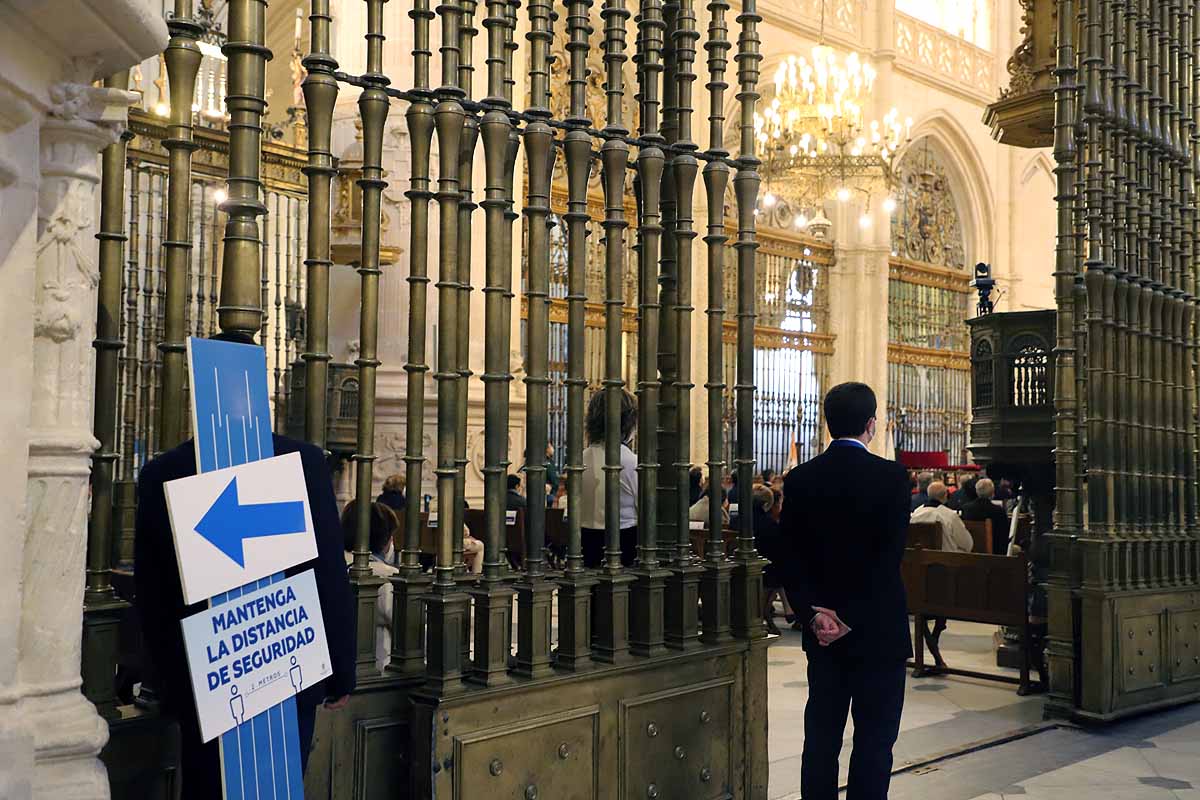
(955, 537)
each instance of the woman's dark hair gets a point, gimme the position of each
(597, 417)
(513, 482)
(383, 526)
(848, 409)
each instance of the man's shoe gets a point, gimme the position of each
(772, 628)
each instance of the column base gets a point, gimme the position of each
(681, 617)
(647, 599)
(366, 596)
(610, 630)
(715, 602)
(446, 609)
(493, 633)
(746, 612)
(101, 645)
(408, 624)
(574, 621)
(535, 595)
(68, 735)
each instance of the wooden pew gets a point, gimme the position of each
(924, 535)
(981, 533)
(700, 535)
(971, 587)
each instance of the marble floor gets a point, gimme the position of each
(969, 739)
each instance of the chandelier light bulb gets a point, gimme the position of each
(219, 196)
(843, 194)
(162, 109)
(801, 220)
(768, 200)
(889, 205)
(864, 221)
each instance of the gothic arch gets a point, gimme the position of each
(1040, 163)
(968, 181)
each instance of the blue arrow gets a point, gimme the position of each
(228, 523)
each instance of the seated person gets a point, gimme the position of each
(766, 540)
(921, 494)
(383, 525)
(955, 537)
(700, 509)
(392, 495)
(982, 508)
(695, 485)
(514, 500)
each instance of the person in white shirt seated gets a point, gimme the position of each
(699, 510)
(383, 556)
(591, 510)
(955, 536)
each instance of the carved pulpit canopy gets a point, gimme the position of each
(1024, 114)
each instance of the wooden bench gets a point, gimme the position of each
(970, 587)
(924, 535)
(981, 533)
(699, 538)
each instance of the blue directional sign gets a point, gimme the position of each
(231, 416)
(228, 523)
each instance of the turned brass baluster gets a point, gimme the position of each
(183, 61)
(747, 576)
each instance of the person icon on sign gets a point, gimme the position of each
(237, 705)
(296, 676)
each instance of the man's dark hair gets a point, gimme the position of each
(513, 482)
(767, 475)
(848, 409)
(597, 417)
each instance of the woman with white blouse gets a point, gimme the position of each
(591, 510)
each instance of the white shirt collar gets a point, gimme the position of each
(851, 440)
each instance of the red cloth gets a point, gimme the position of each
(936, 459)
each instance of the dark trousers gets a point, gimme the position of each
(873, 693)
(592, 540)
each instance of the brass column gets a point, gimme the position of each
(462, 336)
(611, 637)
(1060, 646)
(534, 591)
(101, 607)
(646, 611)
(575, 587)
(240, 310)
(682, 592)
(183, 61)
(493, 597)
(409, 587)
(714, 586)
(447, 615)
(373, 105)
(320, 95)
(747, 618)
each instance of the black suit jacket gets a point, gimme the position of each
(843, 529)
(979, 510)
(159, 597)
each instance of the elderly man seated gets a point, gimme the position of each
(982, 508)
(955, 537)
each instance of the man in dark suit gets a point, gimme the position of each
(159, 601)
(982, 508)
(844, 523)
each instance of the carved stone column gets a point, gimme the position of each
(67, 732)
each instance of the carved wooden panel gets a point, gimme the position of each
(1185, 645)
(380, 747)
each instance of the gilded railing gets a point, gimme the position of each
(928, 358)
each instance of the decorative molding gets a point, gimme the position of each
(925, 51)
(925, 357)
(902, 269)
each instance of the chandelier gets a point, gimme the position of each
(817, 142)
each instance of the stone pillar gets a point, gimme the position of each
(68, 734)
